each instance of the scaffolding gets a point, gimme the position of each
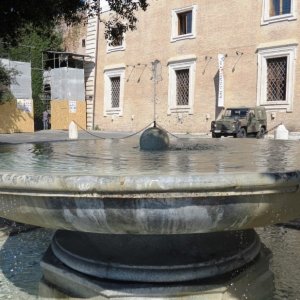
(63, 76)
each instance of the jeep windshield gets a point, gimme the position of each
(236, 113)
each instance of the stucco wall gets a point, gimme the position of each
(14, 120)
(61, 116)
(230, 27)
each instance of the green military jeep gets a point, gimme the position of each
(240, 122)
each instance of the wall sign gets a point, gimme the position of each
(24, 105)
(72, 106)
(221, 59)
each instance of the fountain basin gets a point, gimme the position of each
(151, 204)
(126, 215)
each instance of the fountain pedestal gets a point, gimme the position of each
(193, 266)
(156, 258)
(252, 281)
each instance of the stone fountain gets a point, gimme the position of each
(137, 225)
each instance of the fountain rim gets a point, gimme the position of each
(205, 183)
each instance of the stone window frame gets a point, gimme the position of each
(172, 100)
(174, 30)
(288, 51)
(267, 19)
(108, 74)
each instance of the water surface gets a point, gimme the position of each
(123, 157)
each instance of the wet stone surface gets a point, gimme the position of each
(20, 256)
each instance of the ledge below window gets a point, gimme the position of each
(115, 49)
(183, 37)
(276, 19)
(284, 107)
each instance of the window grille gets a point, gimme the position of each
(280, 7)
(182, 87)
(185, 22)
(115, 91)
(277, 71)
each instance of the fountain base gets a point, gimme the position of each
(156, 258)
(255, 281)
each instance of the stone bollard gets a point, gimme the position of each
(73, 131)
(281, 133)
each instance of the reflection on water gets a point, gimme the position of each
(20, 271)
(123, 157)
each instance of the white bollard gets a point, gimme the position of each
(73, 131)
(281, 133)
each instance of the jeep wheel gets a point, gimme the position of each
(216, 135)
(261, 133)
(241, 133)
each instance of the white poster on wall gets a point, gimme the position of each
(24, 105)
(72, 106)
(221, 59)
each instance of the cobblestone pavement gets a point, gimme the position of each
(20, 256)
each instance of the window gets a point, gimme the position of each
(280, 7)
(114, 90)
(240, 113)
(83, 43)
(181, 86)
(276, 77)
(278, 10)
(184, 23)
(118, 44)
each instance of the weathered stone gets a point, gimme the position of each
(153, 139)
(156, 258)
(255, 282)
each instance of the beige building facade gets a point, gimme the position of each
(195, 57)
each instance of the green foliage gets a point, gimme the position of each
(123, 19)
(32, 42)
(5, 81)
(15, 15)
(5, 78)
